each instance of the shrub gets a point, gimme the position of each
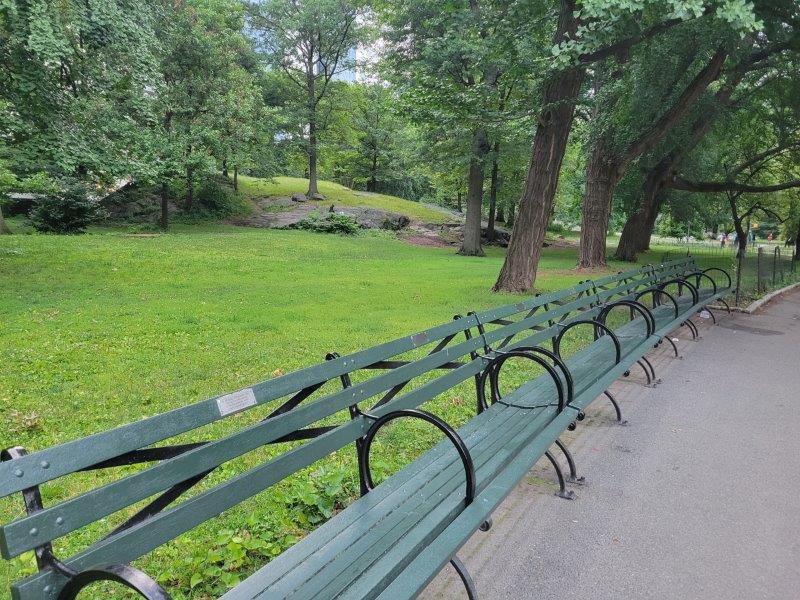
(219, 199)
(330, 223)
(68, 210)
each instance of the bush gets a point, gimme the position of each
(66, 211)
(330, 223)
(219, 199)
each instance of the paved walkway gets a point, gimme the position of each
(698, 497)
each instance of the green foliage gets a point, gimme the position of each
(330, 222)
(67, 211)
(219, 199)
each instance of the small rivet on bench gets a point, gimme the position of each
(19, 473)
(48, 589)
(34, 532)
(60, 521)
(44, 464)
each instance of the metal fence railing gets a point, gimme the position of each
(760, 269)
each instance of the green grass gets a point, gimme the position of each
(338, 194)
(104, 329)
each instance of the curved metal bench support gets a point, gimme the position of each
(616, 407)
(124, 574)
(573, 471)
(647, 362)
(725, 304)
(657, 293)
(492, 371)
(698, 274)
(557, 362)
(597, 325)
(680, 281)
(466, 578)
(674, 347)
(461, 447)
(562, 488)
(723, 271)
(692, 328)
(634, 306)
(646, 372)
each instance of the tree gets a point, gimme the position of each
(610, 157)
(753, 72)
(450, 61)
(311, 41)
(585, 34)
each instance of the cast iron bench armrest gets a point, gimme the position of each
(492, 371)
(128, 576)
(682, 281)
(597, 325)
(723, 271)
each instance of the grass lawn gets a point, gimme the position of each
(339, 194)
(102, 329)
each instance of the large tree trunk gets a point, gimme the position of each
(493, 195)
(549, 144)
(4, 230)
(164, 206)
(601, 178)
(471, 244)
(638, 228)
(225, 167)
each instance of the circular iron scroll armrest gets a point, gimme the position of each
(634, 305)
(124, 574)
(700, 274)
(492, 370)
(656, 292)
(597, 325)
(558, 362)
(693, 289)
(461, 447)
(723, 271)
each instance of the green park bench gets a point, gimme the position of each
(394, 539)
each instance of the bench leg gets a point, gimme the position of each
(616, 408)
(692, 328)
(656, 380)
(466, 578)
(726, 305)
(674, 347)
(646, 372)
(562, 488)
(713, 318)
(573, 472)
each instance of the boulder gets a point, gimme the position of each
(317, 196)
(374, 218)
(298, 197)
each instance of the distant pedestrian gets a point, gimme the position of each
(722, 239)
(769, 236)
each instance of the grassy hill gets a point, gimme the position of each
(254, 187)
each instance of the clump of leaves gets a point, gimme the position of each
(66, 211)
(219, 199)
(330, 223)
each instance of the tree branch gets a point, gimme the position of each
(679, 183)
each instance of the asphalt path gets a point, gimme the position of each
(697, 497)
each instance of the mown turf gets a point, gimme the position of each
(338, 194)
(106, 328)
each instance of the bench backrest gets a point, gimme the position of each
(376, 379)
